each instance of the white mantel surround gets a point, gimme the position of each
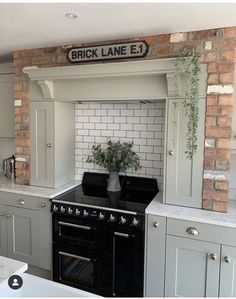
(123, 81)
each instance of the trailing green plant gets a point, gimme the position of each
(188, 63)
(115, 157)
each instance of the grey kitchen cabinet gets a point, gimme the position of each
(26, 229)
(192, 268)
(7, 105)
(52, 143)
(155, 256)
(45, 235)
(183, 182)
(22, 234)
(227, 273)
(3, 231)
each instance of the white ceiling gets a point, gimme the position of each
(27, 25)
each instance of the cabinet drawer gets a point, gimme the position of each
(19, 200)
(201, 231)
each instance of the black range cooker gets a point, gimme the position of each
(98, 236)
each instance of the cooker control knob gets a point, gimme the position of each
(85, 213)
(77, 212)
(70, 211)
(112, 218)
(101, 216)
(62, 209)
(55, 208)
(135, 222)
(123, 220)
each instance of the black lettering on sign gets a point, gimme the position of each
(116, 51)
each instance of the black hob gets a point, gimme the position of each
(136, 193)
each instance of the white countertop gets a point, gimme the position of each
(192, 214)
(7, 185)
(9, 267)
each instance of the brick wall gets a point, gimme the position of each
(217, 47)
(142, 124)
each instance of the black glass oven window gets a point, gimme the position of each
(77, 270)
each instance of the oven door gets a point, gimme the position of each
(76, 269)
(76, 232)
(126, 257)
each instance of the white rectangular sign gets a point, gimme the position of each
(114, 51)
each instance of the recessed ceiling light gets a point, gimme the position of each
(71, 15)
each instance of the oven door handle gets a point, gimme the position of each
(86, 259)
(123, 235)
(61, 223)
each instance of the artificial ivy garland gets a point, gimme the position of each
(188, 63)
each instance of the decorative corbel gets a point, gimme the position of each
(173, 84)
(47, 88)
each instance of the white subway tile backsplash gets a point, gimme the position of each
(133, 134)
(113, 126)
(113, 112)
(101, 112)
(89, 126)
(107, 119)
(133, 120)
(141, 124)
(126, 127)
(127, 112)
(100, 126)
(120, 133)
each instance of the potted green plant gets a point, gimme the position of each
(115, 157)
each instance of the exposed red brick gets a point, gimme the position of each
(220, 67)
(230, 31)
(208, 184)
(209, 57)
(218, 132)
(228, 55)
(209, 163)
(217, 153)
(223, 143)
(224, 121)
(222, 185)
(225, 100)
(227, 78)
(216, 196)
(213, 79)
(222, 164)
(210, 121)
(220, 206)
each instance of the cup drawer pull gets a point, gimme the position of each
(193, 231)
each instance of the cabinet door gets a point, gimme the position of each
(190, 269)
(3, 231)
(22, 234)
(183, 176)
(7, 106)
(42, 144)
(227, 274)
(45, 235)
(155, 256)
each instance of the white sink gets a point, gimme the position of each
(34, 286)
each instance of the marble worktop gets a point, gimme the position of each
(7, 185)
(9, 267)
(156, 207)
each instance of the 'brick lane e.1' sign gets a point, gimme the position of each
(115, 51)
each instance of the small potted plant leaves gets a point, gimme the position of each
(115, 157)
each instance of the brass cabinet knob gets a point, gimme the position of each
(193, 231)
(43, 205)
(227, 259)
(213, 256)
(156, 224)
(49, 145)
(9, 215)
(171, 153)
(21, 202)
(2, 214)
